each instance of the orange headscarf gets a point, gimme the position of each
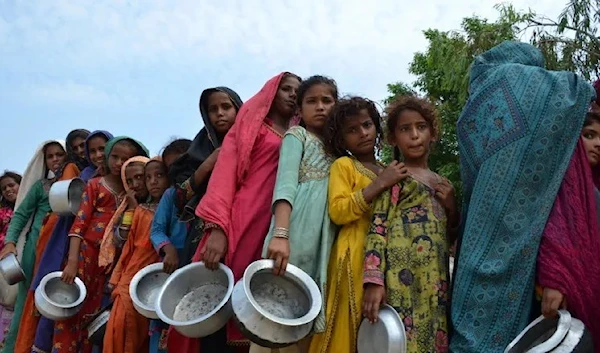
(107, 247)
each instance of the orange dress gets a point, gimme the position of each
(127, 330)
(98, 204)
(29, 323)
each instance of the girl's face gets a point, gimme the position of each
(156, 179)
(96, 150)
(221, 112)
(120, 153)
(591, 141)
(9, 188)
(134, 176)
(169, 159)
(360, 134)
(78, 146)
(317, 103)
(412, 135)
(55, 156)
(285, 99)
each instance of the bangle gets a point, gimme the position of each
(127, 218)
(281, 232)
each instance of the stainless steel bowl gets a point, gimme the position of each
(144, 288)
(195, 300)
(387, 335)
(275, 311)
(57, 300)
(65, 196)
(97, 327)
(11, 269)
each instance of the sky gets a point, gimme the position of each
(137, 68)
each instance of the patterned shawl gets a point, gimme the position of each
(516, 136)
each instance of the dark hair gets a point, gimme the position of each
(52, 143)
(591, 117)
(130, 143)
(422, 106)
(177, 146)
(313, 81)
(346, 107)
(8, 174)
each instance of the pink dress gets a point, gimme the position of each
(5, 313)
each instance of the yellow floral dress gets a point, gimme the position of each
(407, 252)
(347, 208)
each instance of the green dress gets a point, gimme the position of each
(35, 206)
(303, 180)
(407, 252)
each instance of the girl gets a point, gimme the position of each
(236, 206)
(407, 248)
(301, 221)
(353, 134)
(29, 323)
(9, 188)
(26, 223)
(98, 204)
(56, 249)
(567, 263)
(127, 330)
(76, 148)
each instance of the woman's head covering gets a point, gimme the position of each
(80, 162)
(90, 171)
(142, 150)
(107, 247)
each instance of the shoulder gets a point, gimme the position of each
(70, 171)
(145, 209)
(297, 131)
(346, 163)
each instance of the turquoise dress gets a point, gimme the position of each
(303, 180)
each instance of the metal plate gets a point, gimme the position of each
(387, 335)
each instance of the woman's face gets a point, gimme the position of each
(9, 188)
(591, 141)
(285, 99)
(78, 146)
(96, 150)
(55, 156)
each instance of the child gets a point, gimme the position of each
(99, 203)
(353, 134)
(407, 248)
(127, 330)
(568, 262)
(301, 231)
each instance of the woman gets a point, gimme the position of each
(24, 229)
(76, 148)
(9, 188)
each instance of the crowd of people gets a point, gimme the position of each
(293, 174)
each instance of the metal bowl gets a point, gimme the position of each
(65, 196)
(57, 300)
(387, 335)
(144, 288)
(97, 327)
(275, 311)
(196, 300)
(11, 269)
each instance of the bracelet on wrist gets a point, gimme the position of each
(281, 232)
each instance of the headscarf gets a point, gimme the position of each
(80, 162)
(107, 247)
(514, 150)
(90, 171)
(205, 142)
(142, 150)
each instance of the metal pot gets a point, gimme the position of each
(11, 269)
(57, 300)
(144, 288)
(275, 311)
(196, 300)
(65, 196)
(387, 335)
(560, 334)
(97, 327)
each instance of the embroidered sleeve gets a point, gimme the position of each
(376, 242)
(128, 247)
(86, 210)
(346, 205)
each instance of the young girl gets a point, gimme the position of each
(25, 226)
(301, 232)
(236, 206)
(567, 262)
(407, 248)
(98, 204)
(76, 148)
(57, 247)
(353, 134)
(127, 330)
(9, 188)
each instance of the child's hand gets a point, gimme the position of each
(392, 174)
(373, 298)
(9, 248)
(131, 200)
(70, 272)
(214, 249)
(552, 300)
(171, 260)
(279, 250)
(444, 192)
(212, 159)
